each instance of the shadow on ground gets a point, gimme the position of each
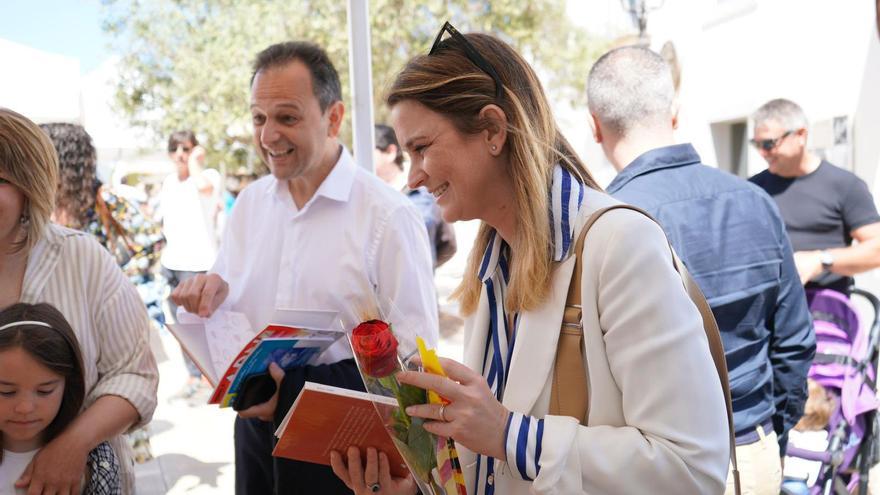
(159, 426)
(174, 467)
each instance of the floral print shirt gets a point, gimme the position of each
(137, 249)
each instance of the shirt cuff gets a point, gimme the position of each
(137, 388)
(523, 445)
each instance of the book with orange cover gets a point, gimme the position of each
(325, 418)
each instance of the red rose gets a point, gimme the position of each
(375, 347)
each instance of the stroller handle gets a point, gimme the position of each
(874, 332)
(872, 299)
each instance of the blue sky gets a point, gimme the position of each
(67, 27)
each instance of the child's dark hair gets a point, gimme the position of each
(55, 348)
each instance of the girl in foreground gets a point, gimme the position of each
(42, 389)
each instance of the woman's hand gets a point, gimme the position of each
(473, 417)
(374, 477)
(58, 468)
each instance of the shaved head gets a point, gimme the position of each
(630, 87)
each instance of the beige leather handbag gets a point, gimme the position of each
(570, 395)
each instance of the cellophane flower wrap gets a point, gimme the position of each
(377, 351)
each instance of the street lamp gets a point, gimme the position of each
(638, 10)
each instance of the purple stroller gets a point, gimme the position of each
(845, 364)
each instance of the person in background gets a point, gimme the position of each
(44, 262)
(188, 206)
(84, 203)
(388, 158)
(319, 232)
(720, 225)
(825, 207)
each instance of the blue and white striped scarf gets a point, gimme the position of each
(566, 199)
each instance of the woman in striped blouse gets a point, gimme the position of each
(42, 262)
(474, 118)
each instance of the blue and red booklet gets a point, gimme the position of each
(294, 338)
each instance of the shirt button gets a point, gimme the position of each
(490, 480)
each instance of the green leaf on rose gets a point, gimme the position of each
(421, 444)
(415, 462)
(411, 395)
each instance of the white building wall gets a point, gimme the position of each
(47, 87)
(39, 85)
(737, 54)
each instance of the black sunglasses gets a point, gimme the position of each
(770, 144)
(186, 149)
(472, 54)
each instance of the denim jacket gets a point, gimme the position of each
(732, 239)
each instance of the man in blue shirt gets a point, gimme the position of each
(732, 239)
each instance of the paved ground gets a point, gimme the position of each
(192, 442)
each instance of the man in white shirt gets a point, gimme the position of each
(188, 206)
(319, 233)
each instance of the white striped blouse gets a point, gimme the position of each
(71, 271)
(523, 433)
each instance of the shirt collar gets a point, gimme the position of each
(336, 186)
(566, 200)
(491, 256)
(666, 157)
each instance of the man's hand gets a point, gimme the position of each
(196, 160)
(202, 294)
(809, 265)
(266, 410)
(59, 467)
(196, 165)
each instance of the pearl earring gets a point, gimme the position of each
(494, 148)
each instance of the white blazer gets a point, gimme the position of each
(657, 422)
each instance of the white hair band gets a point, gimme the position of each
(26, 322)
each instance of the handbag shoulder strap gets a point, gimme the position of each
(569, 394)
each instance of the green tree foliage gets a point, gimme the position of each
(186, 63)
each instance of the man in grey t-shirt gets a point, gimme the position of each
(824, 207)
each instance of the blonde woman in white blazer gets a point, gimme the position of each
(481, 137)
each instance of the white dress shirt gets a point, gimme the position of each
(357, 246)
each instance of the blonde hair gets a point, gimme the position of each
(450, 84)
(818, 410)
(29, 162)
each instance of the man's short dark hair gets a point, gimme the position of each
(385, 137)
(179, 137)
(325, 79)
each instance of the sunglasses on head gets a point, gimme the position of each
(470, 51)
(770, 144)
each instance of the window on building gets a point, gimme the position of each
(731, 146)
